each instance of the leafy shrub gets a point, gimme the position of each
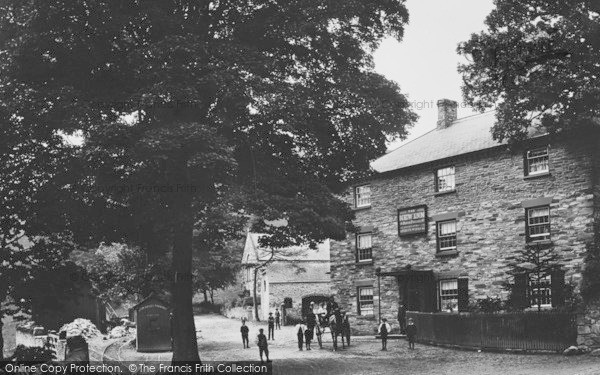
(490, 305)
(31, 354)
(590, 286)
(207, 308)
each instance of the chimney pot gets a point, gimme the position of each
(446, 112)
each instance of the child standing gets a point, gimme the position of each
(263, 345)
(271, 327)
(300, 329)
(411, 333)
(307, 338)
(384, 329)
(244, 331)
(277, 319)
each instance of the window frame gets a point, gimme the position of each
(439, 237)
(357, 196)
(527, 164)
(544, 237)
(547, 287)
(440, 296)
(359, 302)
(437, 179)
(366, 249)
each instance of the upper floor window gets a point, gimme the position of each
(444, 179)
(364, 250)
(365, 301)
(362, 196)
(538, 224)
(536, 161)
(446, 235)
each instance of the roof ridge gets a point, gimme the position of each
(473, 115)
(434, 129)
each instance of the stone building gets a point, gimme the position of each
(298, 273)
(441, 220)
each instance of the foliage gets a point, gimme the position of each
(31, 354)
(181, 104)
(207, 308)
(537, 261)
(536, 60)
(488, 305)
(119, 272)
(573, 299)
(590, 286)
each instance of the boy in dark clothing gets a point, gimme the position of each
(411, 333)
(384, 330)
(277, 319)
(271, 327)
(307, 338)
(263, 345)
(244, 330)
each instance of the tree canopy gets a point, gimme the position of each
(537, 60)
(265, 106)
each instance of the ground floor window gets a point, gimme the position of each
(365, 301)
(449, 295)
(539, 291)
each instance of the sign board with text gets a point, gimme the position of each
(412, 220)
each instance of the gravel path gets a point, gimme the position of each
(219, 339)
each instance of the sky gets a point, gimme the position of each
(425, 62)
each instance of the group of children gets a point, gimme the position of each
(409, 329)
(305, 333)
(261, 339)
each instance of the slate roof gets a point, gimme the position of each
(254, 252)
(464, 135)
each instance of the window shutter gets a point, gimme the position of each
(463, 294)
(525, 166)
(520, 291)
(557, 278)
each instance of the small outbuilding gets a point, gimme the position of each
(152, 318)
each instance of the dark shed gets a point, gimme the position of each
(153, 325)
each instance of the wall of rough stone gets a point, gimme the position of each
(278, 291)
(490, 187)
(588, 323)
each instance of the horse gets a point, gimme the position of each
(345, 330)
(336, 327)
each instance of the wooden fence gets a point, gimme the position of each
(535, 331)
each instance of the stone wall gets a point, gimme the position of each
(588, 325)
(296, 291)
(490, 187)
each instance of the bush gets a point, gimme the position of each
(490, 305)
(31, 354)
(206, 308)
(590, 286)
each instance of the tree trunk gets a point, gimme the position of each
(185, 346)
(205, 296)
(211, 292)
(254, 299)
(1, 338)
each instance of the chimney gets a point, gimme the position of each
(446, 112)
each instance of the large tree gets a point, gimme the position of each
(182, 102)
(537, 60)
